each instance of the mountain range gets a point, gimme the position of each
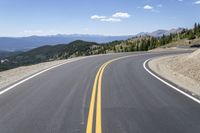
(27, 43)
(161, 32)
(143, 42)
(30, 42)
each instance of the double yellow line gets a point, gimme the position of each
(96, 95)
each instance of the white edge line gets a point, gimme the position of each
(30, 77)
(168, 84)
(69, 61)
(43, 71)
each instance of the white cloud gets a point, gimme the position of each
(197, 2)
(180, 0)
(116, 17)
(148, 7)
(97, 17)
(121, 15)
(110, 20)
(152, 9)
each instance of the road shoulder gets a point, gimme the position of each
(182, 70)
(15, 75)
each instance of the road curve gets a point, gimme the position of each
(131, 100)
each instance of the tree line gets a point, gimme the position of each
(144, 43)
(82, 48)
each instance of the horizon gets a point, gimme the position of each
(118, 18)
(86, 34)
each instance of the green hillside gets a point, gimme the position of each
(186, 37)
(48, 53)
(82, 48)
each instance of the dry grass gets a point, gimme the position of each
(184, 70)
(183, 42)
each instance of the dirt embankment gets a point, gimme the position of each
(183, 70)
(11, 76)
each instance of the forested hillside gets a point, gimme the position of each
(83, 48)
(49, 53)
(144, 43)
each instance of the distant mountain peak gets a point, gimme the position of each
(161, 32)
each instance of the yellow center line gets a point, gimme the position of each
(98, 109)
(97, 89)
(92, 103)
(97, 83)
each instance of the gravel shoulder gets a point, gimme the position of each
(13, 75)
(183, 70)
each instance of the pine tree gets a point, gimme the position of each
(195, 28)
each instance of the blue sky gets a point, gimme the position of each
(107, 17)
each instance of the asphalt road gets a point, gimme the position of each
(129, 100)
